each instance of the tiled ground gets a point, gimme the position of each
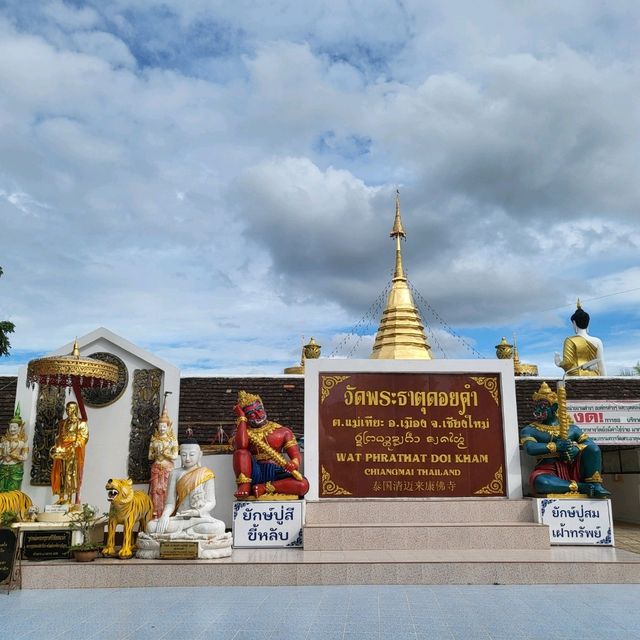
(547, 612)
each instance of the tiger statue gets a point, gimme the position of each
(15, 502)
(127, 508)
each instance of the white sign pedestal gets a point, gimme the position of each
(576, 522)
(268, 523)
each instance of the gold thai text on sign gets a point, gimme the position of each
(410, 435)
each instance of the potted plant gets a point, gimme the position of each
(83, 520)
(7, 518)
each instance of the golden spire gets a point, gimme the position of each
(401, 332)
(520, 368)
(398, 232)
(516, 357)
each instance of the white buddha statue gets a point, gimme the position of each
(187, 514)
(581, 349)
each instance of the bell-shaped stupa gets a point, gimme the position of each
(401, 332)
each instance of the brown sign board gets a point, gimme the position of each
(410, 435)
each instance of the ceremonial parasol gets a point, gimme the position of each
(72, 371)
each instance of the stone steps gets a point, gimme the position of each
(344, 525)
(419, 511)
(406, 536)
(264, 567)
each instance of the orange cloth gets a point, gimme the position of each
(188, 481)
(72, 435)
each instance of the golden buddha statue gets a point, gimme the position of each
(68, 456)
(580, 349)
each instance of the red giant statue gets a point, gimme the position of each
(266, 456)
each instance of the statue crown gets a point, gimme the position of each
(545, 393)
(245, 399)
(17, 418)
(165, 418)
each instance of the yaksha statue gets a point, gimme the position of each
(581, 349)
(568, 461)
(187, 514)
(68, 456)
(163, 450)
(13, 453)
(266, 457)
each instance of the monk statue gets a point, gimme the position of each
(568, 460)
(68, 456)
(266, 457)
(163, 450)
(13, 452)
(187, 513)
(581, 349)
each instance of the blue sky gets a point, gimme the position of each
(215, 180)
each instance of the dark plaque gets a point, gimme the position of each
(8, 543)
(103, 396)
(178, 550)
(46, 545)
(411, 435)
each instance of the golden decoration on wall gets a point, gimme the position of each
(330, 488)
(49, 411)
(490, 384)
(328, 383)
(102, 397)
(494, 487)
(145, 410)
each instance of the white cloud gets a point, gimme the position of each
(69, 17)
(105, 46)
(217, 180)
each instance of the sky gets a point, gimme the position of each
(215, 181)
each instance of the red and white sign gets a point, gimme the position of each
(607, 421)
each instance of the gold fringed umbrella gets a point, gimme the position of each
(72, 371)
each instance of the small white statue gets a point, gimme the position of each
(187, 512)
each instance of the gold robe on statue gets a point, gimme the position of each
(189, 481)
(577, 351)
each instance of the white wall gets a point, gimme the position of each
(221, 464)
(625, 496)
(107, 451)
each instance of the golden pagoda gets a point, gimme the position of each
(401, 332)
(310, 351)
(506, 351)
(521, 368)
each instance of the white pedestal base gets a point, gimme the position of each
(148, 547)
